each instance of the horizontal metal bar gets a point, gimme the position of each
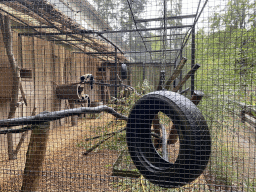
(55, 115)
(81, 32)
(98, 53)
(159, 40)
(168, 35)
(32, 27)
(149, 29)
(66, 40)
(156, 64)
(167, 18)
(154, 51)
(135, 63)
(168, 50)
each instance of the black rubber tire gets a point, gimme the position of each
(194, 138)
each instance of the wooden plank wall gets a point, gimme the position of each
(51, 65)
(4, 63)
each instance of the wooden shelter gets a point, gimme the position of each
(54, 45)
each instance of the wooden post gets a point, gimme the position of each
(156, 128)
(173, 136)
(35, 157)
(74, 118)
(243, 115)
(197, 97)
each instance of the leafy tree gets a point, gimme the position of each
(237, 14)
(229, 49)
(119, 16)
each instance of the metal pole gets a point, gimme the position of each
(144, 71)
(115, 72)
(193, 50)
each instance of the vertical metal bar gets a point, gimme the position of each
(180, 79)
(181, 70)
(115, 72)
(193, 50)
(144, 71)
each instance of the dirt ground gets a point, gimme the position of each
(65, 167)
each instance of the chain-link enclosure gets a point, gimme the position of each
(128, 95)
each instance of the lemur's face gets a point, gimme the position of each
(86, 77)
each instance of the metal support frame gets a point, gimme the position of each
(167, 18)
(98, 53)
(155, 64)
(81, 32)
(32, 27)
(149, 29)
(193, 50)
(135, 23)
(15, 17)
(110, 42)
(154, 51)
(66, 40)
(115, 72)
(69, 40)
(156, 40)
(176, 34)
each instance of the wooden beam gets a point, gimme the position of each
(183, 81)
(176, 73)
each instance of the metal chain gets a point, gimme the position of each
(164, 34)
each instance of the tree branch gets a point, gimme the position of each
(55, 115)
(7, 39)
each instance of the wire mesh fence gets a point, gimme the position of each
(127, 95)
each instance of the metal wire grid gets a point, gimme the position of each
(57, 43)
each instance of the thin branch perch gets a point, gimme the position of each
(107, 134)
(96, 146)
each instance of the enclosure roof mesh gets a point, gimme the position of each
(57, 21)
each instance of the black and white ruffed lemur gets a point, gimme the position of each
(86, 97)
(87, 78)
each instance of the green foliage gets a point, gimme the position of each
(117, 142)
(226, 53)
(127, 98)
(229, 65)
(144, 88)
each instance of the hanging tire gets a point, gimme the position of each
(194, 137)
